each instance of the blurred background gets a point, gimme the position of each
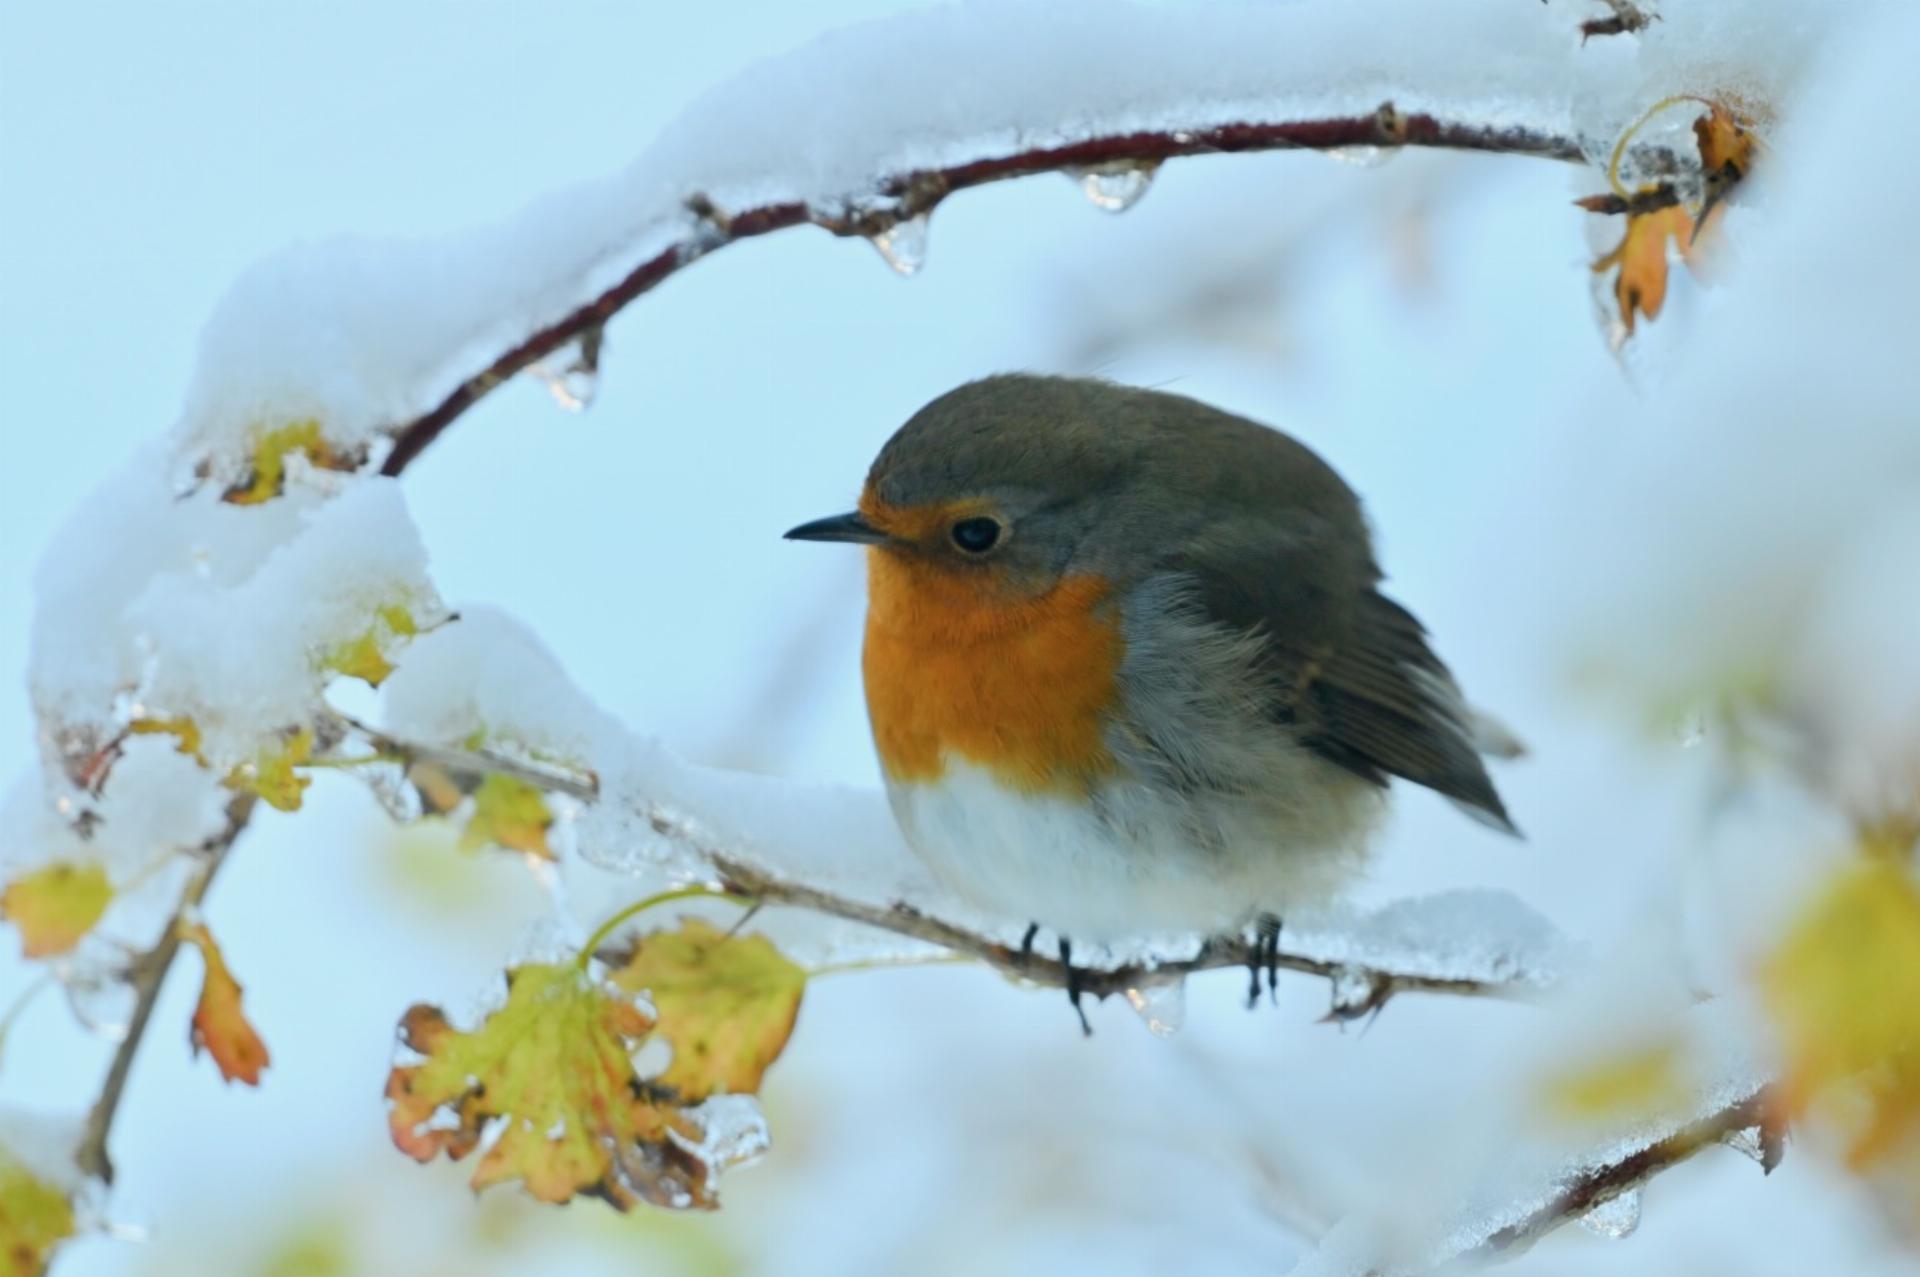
(1427, 324)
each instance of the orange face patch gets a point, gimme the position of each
(957, 665)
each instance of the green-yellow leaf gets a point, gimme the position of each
(364, 656)
(1636, 1083)
(185, 732)
(1843, 989)
(271, 775)
(360, 657)
(510, 813)
(55, 905)
(271, 448)
(554, 1068)
(35, 1217)
(727, 1004)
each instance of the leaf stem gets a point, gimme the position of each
(605, 930)
(1626, 138)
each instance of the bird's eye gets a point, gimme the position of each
(977, 535)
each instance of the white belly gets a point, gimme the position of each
(1130, 866)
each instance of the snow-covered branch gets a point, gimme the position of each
(865, 134)
(1599, 1187)
(1473, 944)
(1114, 168)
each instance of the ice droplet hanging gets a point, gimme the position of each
(903, 245)
(1114, 187)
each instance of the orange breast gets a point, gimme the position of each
(1018, 686)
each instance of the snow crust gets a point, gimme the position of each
(363, 334)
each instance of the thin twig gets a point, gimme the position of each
(1361, 989)
(907, 195)
(1604, 1182)
(147, 976)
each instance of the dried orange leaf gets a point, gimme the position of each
(508, 812)
(272, 775)
(1641, 261)
(727, 1005)
(55, 905)
(550, 1077)
(1843, 990)
(220, 1026)
(1726, 142)
(35, 1217)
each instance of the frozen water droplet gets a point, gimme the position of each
(1354, 991)
(1754, 1142)
(1362, 156)
(640, 839)
(1161, 1007)
(1114, 187)
(572, 387)
(1616, 1217)
(101, 999)
(1746, 1140)
(904, 244)
(733, 1131)
(573, 384)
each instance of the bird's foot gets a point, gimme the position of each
(1264, 956)
(1075, 987)
(1026, 944)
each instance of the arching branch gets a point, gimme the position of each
(906, 195)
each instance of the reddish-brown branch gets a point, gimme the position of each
(147, 976)
(907, 195)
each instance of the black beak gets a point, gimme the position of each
(840, 527)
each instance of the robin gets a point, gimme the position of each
(1127, 665)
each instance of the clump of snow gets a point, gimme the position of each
(248, 659)
(156, 803)
(487, 676)
(1470, 935)
(129, 532)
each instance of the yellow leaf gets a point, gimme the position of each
(365, 655)
(509, 813)
(271, 775)
(1843, 990)
(360, 657)
(220, 1026)
(185, 732)
(35, 1217)
(553, 1071)
(1641, 260)
(1636, 1084)
(726, 1004)
(55, 905)
(271, 447)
